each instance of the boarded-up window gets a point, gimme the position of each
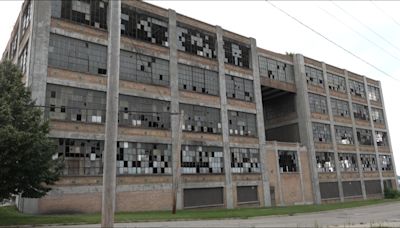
(373, 187)
(203, 197)
(329, 190)
(247, 194)
(351, 188)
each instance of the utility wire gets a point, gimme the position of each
(384, 12)
(359, 34)
(371, 30)
(331, 41)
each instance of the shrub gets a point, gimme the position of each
(392, 193)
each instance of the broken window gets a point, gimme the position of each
(386, 162)
(357, 88)
(317, 103)
(196, 41)
(202, 159)
(321, 132)
(325, 162)
(348, 162)
(276, 70)
(381, 138)
(142, 112)
(237, 54)
(22, 61)
(144, 26)
(239, 88)
(336, 83)
(242, 123)
(73, 104)
(144, 69)
(26, 18)
(344, 135)
(368, 162)
(88, 12)
(377, 115)
(374, 93)
(14, 45)
(360, 111)
(314, 76)
(364, 137)
(198, 80)
(287, 161)
(80, 157)
(201, 119)
(340, 108)
(245, 160)
(77, 55)
(144, 158)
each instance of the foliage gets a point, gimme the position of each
(26, 164)
(391, 193)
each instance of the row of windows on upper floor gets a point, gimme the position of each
(338, 83)
(81, 105)
(85, 157)
(344, 135)
(318, 104)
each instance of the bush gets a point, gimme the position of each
(392, 193)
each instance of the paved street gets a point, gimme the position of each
(383, 215)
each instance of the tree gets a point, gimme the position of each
(26, 164)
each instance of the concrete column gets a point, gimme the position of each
(278, 175)
(260, 122)
(305, 124)
(38, 57)
(353, 123)
(111, 126)
(224, 117)
(333, 135)
(303, 194)
(174, 84)
(19, 34)
(388, 135)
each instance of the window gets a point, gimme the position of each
(360, 111)
(245, 160)
(381, 138)
(321, 132)
(198, 80)
(202, 159)
(357, 88)
(374, 93)
(142, 112)
(26, 18)
(144, 158)
(348, 162)
(80, 157)
(241, 123)
(386, 162)
(144, 26)
(377, 115)
(325, 162)
(314, 76)
(196, 41)
(77, 55)
(237, 54)
(239, 88)
(144, 69)
(14, 45)
(368, 162)
(364, 137)
(201, 119)
(317, 103)
(336, 83)
(287, 161)
(340, 108)
(22, 61)
(276, 70)
(344, 135)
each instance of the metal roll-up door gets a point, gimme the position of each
(329, 190)
(247, 194)
(203, 197)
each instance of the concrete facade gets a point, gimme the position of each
(251, 137)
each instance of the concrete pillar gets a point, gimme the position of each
(333, 137)
(278, 175)
(224, 118)
(260, 122)
(303, 194)
(111, 126)
(305, 124)
(174, 84)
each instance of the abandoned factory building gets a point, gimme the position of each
(259, 128)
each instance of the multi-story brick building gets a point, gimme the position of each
(260, 128)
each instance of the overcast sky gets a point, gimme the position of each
(370, 30)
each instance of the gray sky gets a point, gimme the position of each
(372, 32)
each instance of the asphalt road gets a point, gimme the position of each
(382, 215)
